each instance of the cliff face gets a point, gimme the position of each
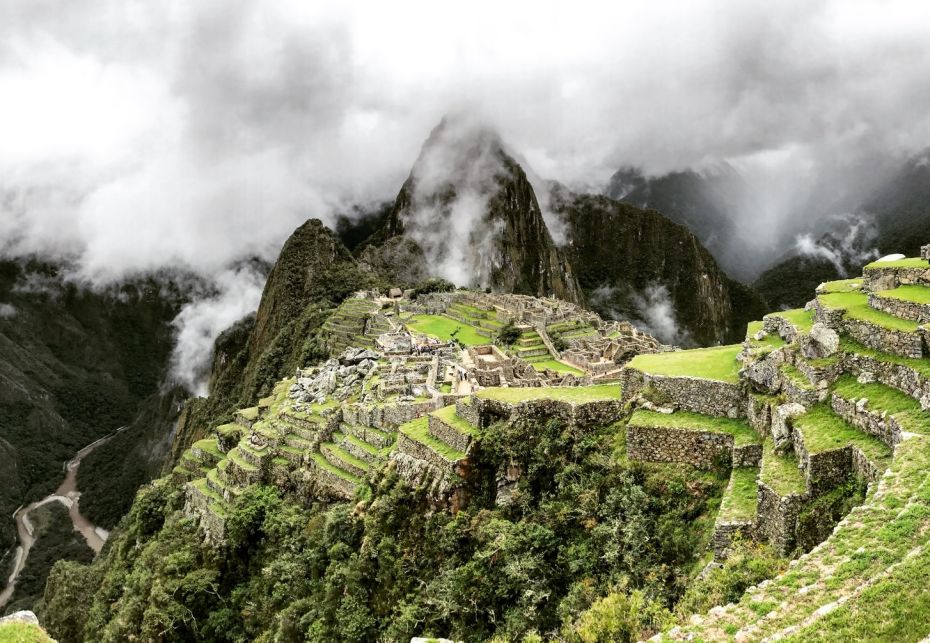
(471, 208)
(637, 264)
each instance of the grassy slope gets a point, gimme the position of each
(741, 497)
(718, 363)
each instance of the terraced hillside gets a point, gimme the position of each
(833, 392)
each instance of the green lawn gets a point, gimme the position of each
(801, 319)
(561, 393)
(418, 430)
(780, 472)
(823, 430)
(741, 496)
(717, 363)
(905, 409)
(554, 365)
(446, 328)
(742, 433)
(842, 285)
(913, 262)
(856, 305)
(912, 293)
(449, 416)
(768, 343)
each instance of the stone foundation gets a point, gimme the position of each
(708, 397)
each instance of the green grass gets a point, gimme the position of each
(800, 379)
(823, 430)
(344, 455)
(717, 363)
(209, 445)
(801, 319)
(742, 433)
(905, 409)
(911, 293)
(913, 262)
(781, 472)
(768, 343)
(230, 430)
(856, 305)
(449, 416)
(554, 365)
(22, 633)
(418, 430)
(842, 285)
(575, 394)
(740, 499)
(234, 456)
(443, 328)
(361, 444)
(445, 387)
(323, 463)
(250, 413)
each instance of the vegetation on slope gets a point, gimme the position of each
(583, 526)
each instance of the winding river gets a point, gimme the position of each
(68, 495)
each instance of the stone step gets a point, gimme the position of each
(375, 437)
(910, 376)
(532, 352)
(360, 449)
(415, 440)
(293, 454)
(336, 478)
(738, 507)
(297, 441)
(339, 457)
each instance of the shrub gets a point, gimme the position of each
(508, 335)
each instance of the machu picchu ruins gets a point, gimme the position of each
(811, 399)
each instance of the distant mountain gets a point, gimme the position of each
(705, 202)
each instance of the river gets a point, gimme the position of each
(67, 494)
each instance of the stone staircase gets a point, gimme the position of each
(346, 326)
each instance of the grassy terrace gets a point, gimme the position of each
(344, 455)
(768, 343)
(742, 433)
(740, 499)
(823, 430)
(921, 366)
(801, 319)
(842, 285)
(856, 305)
(418, 430)
(911, 293)
(361, 444)
(797, 377)
(445, 329)
(449, 416)
(323, 463)
(553, 365)
(718, 363)
(913, 262)
(209, 445)
(905, 409)
(575, 394)
(780, 472)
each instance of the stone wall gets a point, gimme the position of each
(900, 308)
(197, 504)
(422, 452)
(709, 397)
(579, 416)
(857, 412)
(777, 518)
(749, 455)
(438, 481)
(776, 325)
(878, 278)
(325, 477)
(387, 417)
(759, 414)
(701, 449)
(896, 342)
(830, 317)
(724, 532)
(448, 434)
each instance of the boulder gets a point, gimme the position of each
(925, 252)
(781, 424)
(821, 342)
(866, 377)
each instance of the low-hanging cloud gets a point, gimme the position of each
(140, 135)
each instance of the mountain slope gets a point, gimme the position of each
(637, 264)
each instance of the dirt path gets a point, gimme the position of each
(68, 495)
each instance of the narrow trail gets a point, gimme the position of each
(68, 495)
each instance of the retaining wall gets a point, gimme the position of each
(708, 397)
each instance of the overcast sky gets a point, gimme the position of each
(138, 134)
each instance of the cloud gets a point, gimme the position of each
(7, 311)
(848, 249)
(234, 294)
